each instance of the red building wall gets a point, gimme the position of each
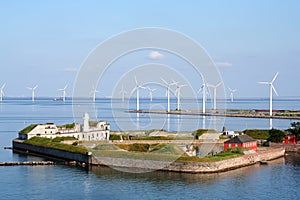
(250, 145)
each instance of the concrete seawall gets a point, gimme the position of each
(191, 167)
(56, 153)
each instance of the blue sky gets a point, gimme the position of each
(45, 42)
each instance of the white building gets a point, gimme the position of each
(89, 130)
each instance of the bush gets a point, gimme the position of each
(28, 129)
(257, 134)
(276, 135)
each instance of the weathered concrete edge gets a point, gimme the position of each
(186, 167)
(55, 153)
(191, 167)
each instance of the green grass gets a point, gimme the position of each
(67, 126)
(200, 132)
(46, 142)
(229, 153)
(160, 156)
(258, 134)
(28, 128)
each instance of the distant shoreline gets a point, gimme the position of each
(279, 114)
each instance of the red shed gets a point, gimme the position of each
(241, 141)
(290, 139)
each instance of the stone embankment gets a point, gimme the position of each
(191, 167)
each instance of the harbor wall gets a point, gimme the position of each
(190, 167)
(56, 153)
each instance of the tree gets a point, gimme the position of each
(276, 135)
(295, 129)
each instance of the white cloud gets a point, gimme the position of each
(155, 55)
(70, 69)
(223, 64)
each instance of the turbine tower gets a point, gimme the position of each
(272, 88)
(150, 93)
(137, 87)
(1, 92)
(32, 92)
(232, 91)
(168, 85)
(123, 92)
(64, 93)
(215, 93)
(94, 91)
(177, 91)
(203, 89)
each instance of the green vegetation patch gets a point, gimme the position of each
(200, 132)
(229, 153)
(67, 126)
(258, 134)
(46, 142)
(93, 123)
(28, 128)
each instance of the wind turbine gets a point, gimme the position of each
(203, 88)
(94, 91)
(123, 92)
(272, 88)
(177, 91)
(137, 87)
(232, 91)
(215, 93)
(1, 92)
(32, 92)
(64, 93)
(150, 92)
(168, 85)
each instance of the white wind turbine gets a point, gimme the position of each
(150, 92)
(94, 91)
(32, 91)
(177, 92)
(1, 92)
(123, 93)
(232, 91)
(168, 85)
(204, 92)
(272, 88)
(215, 93)
(137, 87)
(64, 93)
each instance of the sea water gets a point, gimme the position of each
(279, 179)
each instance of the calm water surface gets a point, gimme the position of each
(277, 180)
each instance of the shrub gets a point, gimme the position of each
(276, 135)
(258, 134)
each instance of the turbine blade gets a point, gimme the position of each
(3, 86)
(274, 90)
(165, 82)
(35, 87)
(264, 83)
(218, 84)
(66, 87)
(275, 77)
(136, 82)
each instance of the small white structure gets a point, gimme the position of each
(231, 134)
(88, 131)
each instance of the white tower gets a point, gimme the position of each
(86, 119)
